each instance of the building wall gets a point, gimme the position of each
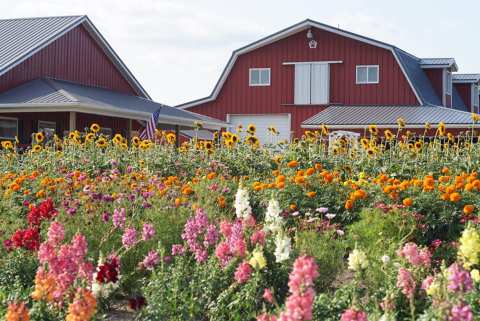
(435, 75)
(237, 97)
(74, 57)
(464, 90)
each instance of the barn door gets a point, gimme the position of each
(302, 84)
(320, 84)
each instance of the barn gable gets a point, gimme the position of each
(68, 48)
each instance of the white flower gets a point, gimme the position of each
(273, 220)
(340, 232)
(385, 259)
(242, 203)
(330, 216)
(282, 248)
(357, 260)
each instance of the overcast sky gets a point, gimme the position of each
(178, 48)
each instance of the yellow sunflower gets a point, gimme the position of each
(388, 135)
(101, 142)
(441, 130)
(401, 122)
(6, 144)
(171, 138)
(36, 148)
(90, 137)
(118, 139)
(251, 129)
(39, 137)
(373, 129)
(324, 129)
(136, 141)
(95, 128)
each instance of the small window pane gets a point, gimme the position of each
(372, 74)
(48, 127)
(8, 128)
(254, 77)
(362, 75)
(265, 76)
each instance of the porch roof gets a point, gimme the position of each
(52, 95)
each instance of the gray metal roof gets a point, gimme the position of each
(466, 77)
(58, 93)
(199, 134)
(437, 61)
(387, 115)
(22, 38)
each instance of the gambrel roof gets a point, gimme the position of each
(22, 38)
(410, 65)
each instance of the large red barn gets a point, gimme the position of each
(312, 74)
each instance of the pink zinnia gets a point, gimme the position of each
(243, 272)
(129, 237)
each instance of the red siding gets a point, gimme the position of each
(75, 57)
(448, 100)
(436, 78)
(236, 97)
(464, 90)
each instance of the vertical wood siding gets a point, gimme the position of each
(464, 90)
(74, 57)
(236, 97)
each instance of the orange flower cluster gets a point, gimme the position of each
(17, 312)
(83, 307)
(44, 287)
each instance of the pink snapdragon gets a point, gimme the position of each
(150, 261)
(258, 237)
(414, 255)
(129, 237)
(353, 315)
(234, 244)
(266, 317)
(459, 280)
(178, 249)
(56, 234)
(148, 232)
(199, 235)
(243, 272)
(119, 217)
(461, 312)
(267, 295)
(298, 305)
(406, 282)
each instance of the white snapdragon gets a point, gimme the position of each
(283, 247)
(242, 203)
(273, 220)
(357, 260)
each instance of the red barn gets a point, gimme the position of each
(59, 74)
(312, 74)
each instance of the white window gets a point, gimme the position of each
(448, 82)
(48, 127)
(259, 76)
(312, 83)
(8, 128)
(476, 97)
(368, 74)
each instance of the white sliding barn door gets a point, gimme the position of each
(320, 84)
(302, 84)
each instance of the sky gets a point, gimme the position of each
(178, 48)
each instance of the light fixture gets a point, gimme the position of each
(312, 43)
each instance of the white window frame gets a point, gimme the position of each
(259, 77)
(475, 96)
(46, 123)
(16, 127)
(368, 82)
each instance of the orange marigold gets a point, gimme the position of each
(455, 197)
(349, 204)
(468, 209)
(311, 194)
(407, 201)
(292, 164)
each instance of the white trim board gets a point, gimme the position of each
(304, 25)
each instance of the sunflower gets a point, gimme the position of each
(226, 135)
(252, 140)
(388, 135)
(251, 129)
(215, 135)
(418, 145)
(324, 129)
(475, 117)
(36, 148)
(90, 137)
(427, 125)
(208, 145)
(371, 151)
(39, 137)
(228, 143)
(118, 139)
(401, 122)
(373, 129)
(146, 144)
(239, 128)
(95, 128)
(198, 125)
(365, 143)
(101, 142)
(136, 141)
(441, 129)
(277, 159)
(450, 137)
(234, 138)
(171, 138)
(74, 135)
(309, 134)
(6, 144)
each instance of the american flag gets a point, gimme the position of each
(149, 131)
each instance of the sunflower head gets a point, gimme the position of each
(251, 129)
(6, 144)
(95, 128)
(234, 138)
(39, 137)
(101, 142)
(118, 139)
(373, 129)
(171, 138)
(36, 148)
(136, 141)
(401, 122)
(252, 140)
(90, 137)
(388, 135)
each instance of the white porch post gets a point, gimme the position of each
(72, 121)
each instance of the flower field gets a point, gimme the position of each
(385, 228)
